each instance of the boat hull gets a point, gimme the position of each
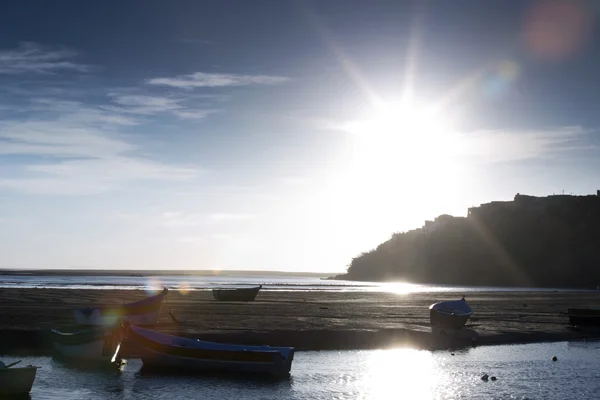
(141, 313)
(198, 356)
(96, 345)
(245, 294)
(442, 320)
(584, 317)
(16, 381)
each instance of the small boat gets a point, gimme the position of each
(144, 312)
(97, 345)
(236, 294)
(159, 350)
(16, 381)
(584, 316)
(450, 314)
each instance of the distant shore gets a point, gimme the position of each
(158, 272)
(306, 320)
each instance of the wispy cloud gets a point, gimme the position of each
(514, 145)
(78, 153)
(142, 104)
(203, 79)
(233, 216)
(31, 57)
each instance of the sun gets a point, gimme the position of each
(400, 135)
(401, 157)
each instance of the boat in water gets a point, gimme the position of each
(451, 314)
(236, 294)
(163, 351)
(16, 381)
(94, 345)
(144, 312)
(584, 316)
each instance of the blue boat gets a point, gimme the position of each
(160, 350)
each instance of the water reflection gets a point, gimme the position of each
(400, 373)
(523, 371)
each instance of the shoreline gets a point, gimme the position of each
(315, 320)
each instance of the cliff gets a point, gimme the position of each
(549, 241)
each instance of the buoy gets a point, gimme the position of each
(554, 358)
(493, 378)
(485, 377)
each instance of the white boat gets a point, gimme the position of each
(144, 312)
(97, 345)
(450, 314)
(160, 350)
(16, 381)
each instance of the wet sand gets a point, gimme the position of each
(306, 320)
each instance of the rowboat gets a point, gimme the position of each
(584, 316)
(236, 294)
(97, 345)
(450, 314)
(144, 312)
(16, 381)
(159, 350)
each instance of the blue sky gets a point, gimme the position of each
(286, 135)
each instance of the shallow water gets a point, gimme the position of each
(523, 371)
(278, 283)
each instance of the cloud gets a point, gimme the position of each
(150, 105)
(514, 145)
(31, 57)
(203, 79)
(233, 216)
(82, 152)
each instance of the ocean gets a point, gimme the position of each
(522, 371)
(189, 282)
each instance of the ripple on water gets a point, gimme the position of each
(523, 371)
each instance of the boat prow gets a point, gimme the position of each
(144, 312)
(17, 381)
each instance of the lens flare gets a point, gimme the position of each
(557, 29)
(153, 286)
(184, 288)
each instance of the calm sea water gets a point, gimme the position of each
(523, 372)
(287, 283)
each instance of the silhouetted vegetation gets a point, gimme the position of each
(531, 241)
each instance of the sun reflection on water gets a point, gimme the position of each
(400, 374)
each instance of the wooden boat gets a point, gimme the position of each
(144, 312)
(16, 381)
(159, 350)
(584, 316)
(236, 294)
(97, 345)
(450, 314)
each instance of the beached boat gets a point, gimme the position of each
(97, 345)
(16, 381)
(236, 294)
(144, 312)
(584, 316)
(450, 314)
(159, 350)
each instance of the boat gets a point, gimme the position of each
(16, 381)
(162, 351)
(144, 312)
(450, 314)
(584, 316)
(236, 294)
(93, 345)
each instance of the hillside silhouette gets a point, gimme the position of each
(549, 241)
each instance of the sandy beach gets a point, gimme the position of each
(306, 320)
